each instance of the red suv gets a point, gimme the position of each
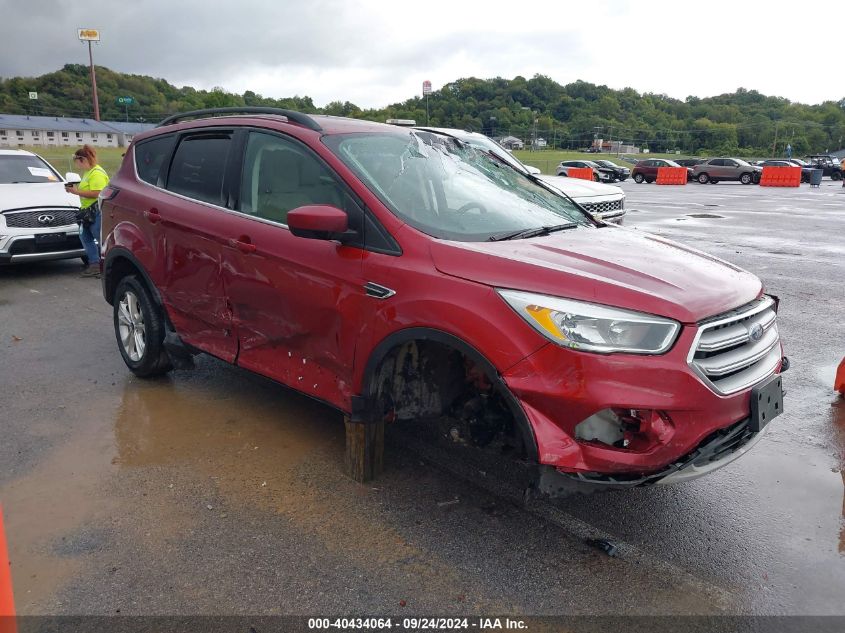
(402, 274)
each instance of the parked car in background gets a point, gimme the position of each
(604, 202)
(646, 170)
(601, 173)
(829, 164)
(37, 215)
(689, 162)
(403, 277)
(620, 173)
(718, 169)
(564, 167)
(784, 162)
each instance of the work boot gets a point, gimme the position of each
(91, 271)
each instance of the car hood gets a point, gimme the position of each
(35, 195)
(578, 188)
(611, 265)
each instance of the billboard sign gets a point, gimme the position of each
(89, 35)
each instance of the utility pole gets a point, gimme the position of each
(775, 145)
(426, 92)
(92, 35)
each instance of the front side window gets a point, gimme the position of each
(280, 175)
(450, 189)
(198, 167)
(150, 156)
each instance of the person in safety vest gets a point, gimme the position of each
(94, 180)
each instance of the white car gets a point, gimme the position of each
(605, 202)
(37, 215)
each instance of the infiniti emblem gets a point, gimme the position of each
(756, 332)
(45, 219)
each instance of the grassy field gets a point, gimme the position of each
(545, 160)
(60, 157)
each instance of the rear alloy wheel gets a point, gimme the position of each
(703, 179)
(638, 178)
(139, 329)
(746, 179)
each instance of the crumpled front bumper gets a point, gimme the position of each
(559, 388)
(715, 452)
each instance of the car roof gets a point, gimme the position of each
(16, 152)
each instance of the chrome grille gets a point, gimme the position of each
(738, 349)
(30, 219)
(603, 207)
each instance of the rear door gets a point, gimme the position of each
(193, 220)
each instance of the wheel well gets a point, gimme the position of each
(119, 266)
(439, 378)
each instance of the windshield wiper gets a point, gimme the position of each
(535, 232)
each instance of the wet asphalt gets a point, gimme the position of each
(217, 492)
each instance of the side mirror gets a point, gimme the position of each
(533, 170)
(73, 178)
(319, 222)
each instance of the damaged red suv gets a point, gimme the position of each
(402, 274)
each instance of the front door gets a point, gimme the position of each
(299, 304)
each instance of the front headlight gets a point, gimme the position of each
(593, 328)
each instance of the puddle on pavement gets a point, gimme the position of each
(264, 447)
(55, 499)
(704, 215)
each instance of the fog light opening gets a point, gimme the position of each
(628, 429)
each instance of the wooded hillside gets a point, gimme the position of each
(570, 116)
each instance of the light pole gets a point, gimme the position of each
(492, 127)
(426, 92)
(91, 35)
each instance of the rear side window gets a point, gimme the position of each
(150, 156)
(198, 167)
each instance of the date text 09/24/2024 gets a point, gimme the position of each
(417, 624)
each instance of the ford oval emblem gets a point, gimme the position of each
(756, 332)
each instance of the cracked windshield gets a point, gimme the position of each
(451, 190)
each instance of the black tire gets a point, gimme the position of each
(638, 178)
(649, 180)
(746, 178)
(703, 178)
(837, 175)
(132, 300)
(84, 259)
(713, 181)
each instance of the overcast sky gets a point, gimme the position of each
(376, 53)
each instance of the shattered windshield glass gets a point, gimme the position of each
(450, 189)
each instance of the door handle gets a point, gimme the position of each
(152, 215)
(243, 244)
